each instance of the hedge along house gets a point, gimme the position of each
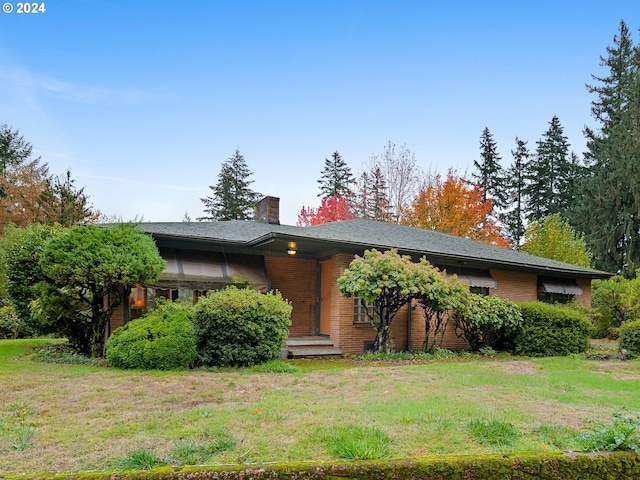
(304, 263)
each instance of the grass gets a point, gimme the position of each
(84, 416)
(353, 442)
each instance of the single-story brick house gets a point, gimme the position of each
(303, 263)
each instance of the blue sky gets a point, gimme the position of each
(144, 100)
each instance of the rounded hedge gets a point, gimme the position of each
(629, 338)
(163, 339)
(551, 330)
(240, 327)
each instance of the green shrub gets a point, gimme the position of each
(10, 324)
(163, 339)
(623, 433)
(629, 338)
(240, 327)
(551, 330)
(60, 354)
(487, 321)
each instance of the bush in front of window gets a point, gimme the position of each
(487, 321)
(551, 330)
(241, 327)
(629, 339)
(163, 339)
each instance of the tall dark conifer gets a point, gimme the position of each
(610, 194)
(549, 174)
(336, 177)
(515, 185)
(232, 199)
(489, 171)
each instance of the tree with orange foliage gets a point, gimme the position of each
(331, 209)
(455, 206)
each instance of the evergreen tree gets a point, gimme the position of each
(370, 198)
(490, 176)
(14, 149)
(549, 175)
(610, 194)
(232, 198)
(515, 184)
(336, 177)
(63, 203)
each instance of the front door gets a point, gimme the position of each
(325, 298)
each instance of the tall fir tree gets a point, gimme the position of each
(515, 184)
(550, 175)
(336, 177)
(232, 199)
(489, 174)
(610, 194)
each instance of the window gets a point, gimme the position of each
(550, 297)
(360, 312)
(484, 291)
(557, 290)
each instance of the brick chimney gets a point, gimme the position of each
(268, 210)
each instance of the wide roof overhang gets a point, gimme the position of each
(277, 244)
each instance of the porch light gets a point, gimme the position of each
(291, 248)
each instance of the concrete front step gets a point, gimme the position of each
(297, 352)
(310, 346)
(309, 341)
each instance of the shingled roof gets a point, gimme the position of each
(355, 236)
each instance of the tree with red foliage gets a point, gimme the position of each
(331, 209)
(455, 206)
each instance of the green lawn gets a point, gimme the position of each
(57, 417)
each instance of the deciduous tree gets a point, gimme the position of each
(388, 281)
(22, 185)
(402, 175)
(232, 199)
(332, 209)
(439, 297)
(455, 206)
(554, 238)
(29, 194)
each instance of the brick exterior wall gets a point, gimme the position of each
(296, 280)
(515, 286)
(585, 298)
(117, 319)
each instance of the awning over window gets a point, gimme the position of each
(560, 285)
(475, 278)
(199, 270)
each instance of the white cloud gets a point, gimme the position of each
(28, 83)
